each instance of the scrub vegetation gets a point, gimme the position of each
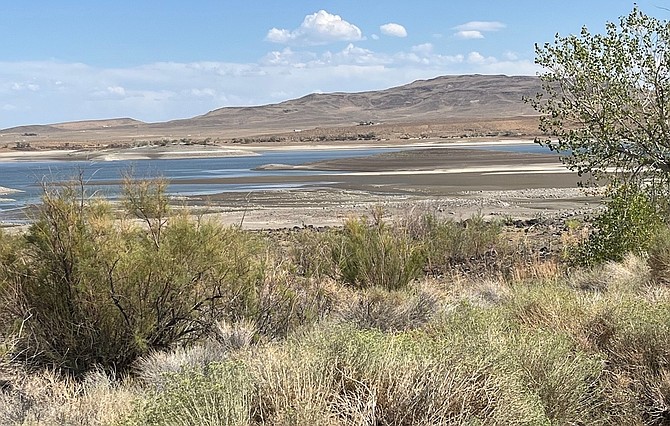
(137, 313)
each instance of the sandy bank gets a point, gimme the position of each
(199, 151)
(7, 191)
(118, 154)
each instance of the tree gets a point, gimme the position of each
(606, 100)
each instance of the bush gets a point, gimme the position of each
(628, 224)
(94, 290)
(659, 257)
(628, 335)
(310, 252)
(384, 310)
(286, 302)
(339, 375)
(474, 244)
(377, 255)
(45, 398)
(220, 395)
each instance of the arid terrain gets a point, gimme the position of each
(444, 107)
(455, 112)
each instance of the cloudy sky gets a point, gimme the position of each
(157, 60)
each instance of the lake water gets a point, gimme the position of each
(28, 177)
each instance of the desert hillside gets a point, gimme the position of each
(447, 106)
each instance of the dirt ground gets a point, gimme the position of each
(455, 183)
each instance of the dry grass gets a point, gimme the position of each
(47, 398)
(540, 345)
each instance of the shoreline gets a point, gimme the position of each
(444, 177)
(226, 150)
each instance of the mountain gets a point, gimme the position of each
(466, 96)
(465, 99)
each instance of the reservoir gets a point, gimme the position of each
(28, 177)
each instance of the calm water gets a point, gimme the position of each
(29, 176)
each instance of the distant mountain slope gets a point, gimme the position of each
(474, 96)
(441, 101)
(98, 124)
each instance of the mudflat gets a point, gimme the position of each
(447, 181)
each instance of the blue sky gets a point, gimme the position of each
(160, 60)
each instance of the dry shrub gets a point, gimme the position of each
(287, 302)
(155, 369)
(659, 258)
(485, 292)
(49, 398)
(341, 375)
(629, 333)
(222, 394)
(294, 384)
(629, 275)
(391, 310)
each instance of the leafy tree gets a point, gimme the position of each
(606, 100)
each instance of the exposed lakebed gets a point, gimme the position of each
(191, 176)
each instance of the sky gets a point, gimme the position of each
(158, 60)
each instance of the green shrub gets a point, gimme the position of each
(310, 252)
(473, 243)
(628, 224)
(96, 290)
(220, 395)
(377, 255)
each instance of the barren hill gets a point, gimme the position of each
(448, 104)
(466, 96)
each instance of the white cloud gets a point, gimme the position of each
(357, 55)
(198, 93)
(116, 90)
(394, 30)
(476, 58)
(16, 86)
(475, 29)
(510, 56)
(374, 37)
(318, 28)
(469, 34)
(484, 26)
(288, 56)
(423, 49)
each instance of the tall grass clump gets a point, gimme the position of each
(472, 244)
(47, 398)
(628, 332)
(94, 289)
(376, 254)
